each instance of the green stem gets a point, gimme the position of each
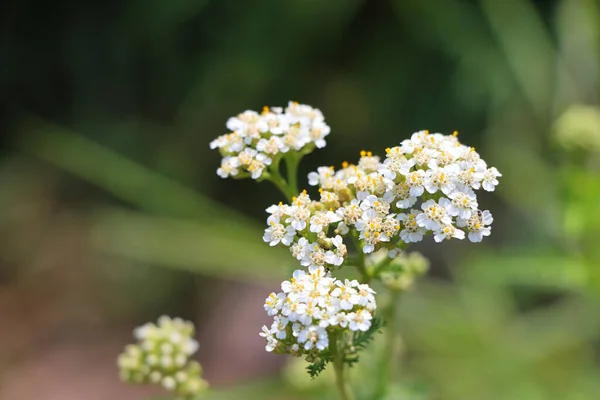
(380, 267)
(291, 162)
(281, 184)
(338, 365)
(389, 354)
(278, 180)
(360, 257)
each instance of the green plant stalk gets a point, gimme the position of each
(275, 177)
(390, 351)
(291, 162)
(342, 385)
(360, 257)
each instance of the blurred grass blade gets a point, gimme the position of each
(220, 241)
(533, 61)
(122, 177)
(219, 249)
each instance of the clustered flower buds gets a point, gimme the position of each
(578, 128)
(162, 356)
(424, 186)
(313, 306)
(258, 139)
(403, 270)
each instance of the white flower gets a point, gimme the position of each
(360, 320)
(298, 249)
(412, 232)
(340, 319)
(470, 176)
(368, 162)
(314, 256)
(277, 233)
(293, 309)
(279, 327)
(401, 193)
(346, 296)
(448, 232)
(268, 335)
(169, 383)
(314, 336)
(350, 213)
(490, 179)
(272, 146)
(395, 163)
(296, 137)
(462, 204)
(295, 286)
(371, 230)
(415, 181)
(441, 179)
(229, 167)
(321, 219)
(276, 124)
(273, 303)
(336, 257)
(276, 211)
(298, 217)
(366, 295)
(478, 225)
(243, 120)
(434, 215)
(318, 132)
(322, 174)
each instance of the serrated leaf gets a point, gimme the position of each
(360, 340)
(315, 368)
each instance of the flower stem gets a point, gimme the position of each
(275, 177)
(338, 365)
(291, 162)
(360, 257)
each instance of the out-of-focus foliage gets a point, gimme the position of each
(118, 102)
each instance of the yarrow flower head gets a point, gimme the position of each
(425, 186)
(256, 140)
(311, 308)
(162, 356)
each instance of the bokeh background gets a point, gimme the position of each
(111, 213)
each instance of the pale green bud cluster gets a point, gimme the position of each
(403, 271)
(579, 128)
(162, 356)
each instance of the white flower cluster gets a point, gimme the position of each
(425, 185)
(258, 139)
(311, 307)
(162, 356)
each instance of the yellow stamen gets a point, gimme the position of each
(345, 164)
(455, 133)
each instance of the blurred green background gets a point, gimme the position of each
(111, 213)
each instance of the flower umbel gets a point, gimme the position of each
(313, 307)
(162, 356)
(425, 186)
(258, 139)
